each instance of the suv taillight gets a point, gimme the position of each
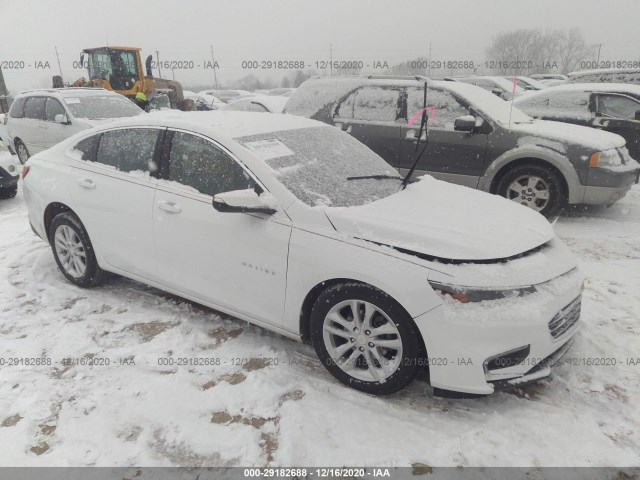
(25, 170)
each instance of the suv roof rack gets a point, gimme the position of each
(395, 77)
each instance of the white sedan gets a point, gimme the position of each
(297, 227)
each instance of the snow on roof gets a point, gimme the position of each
(631, 89)
(603, 70)
(228, 123)
(70, 91)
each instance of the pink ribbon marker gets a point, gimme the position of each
(414, 119)
(515, 85)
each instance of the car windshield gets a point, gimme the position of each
(507, 85)
(318, 165)
(95, 107)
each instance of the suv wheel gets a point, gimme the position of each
(23, 153)
(73, 251)
(365, 338)
(533, 186)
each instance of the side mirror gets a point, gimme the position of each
(466, 123)
(62, 119)
(244, 201)
(496, 91)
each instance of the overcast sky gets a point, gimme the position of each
(368, 30)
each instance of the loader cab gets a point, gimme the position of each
(120, 67)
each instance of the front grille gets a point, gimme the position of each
(565, 319)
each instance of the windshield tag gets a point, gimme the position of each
(71, 100)
(268, 149)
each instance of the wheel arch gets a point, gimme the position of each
(50, 212)
(558, 163)
(316, 291)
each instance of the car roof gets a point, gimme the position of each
(67, 92)
(627, 88)
(603, 70)
(231, 124)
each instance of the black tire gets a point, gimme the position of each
(7, 193)
(93, 274)
(22, 151)
(557, 198)
(413, 355)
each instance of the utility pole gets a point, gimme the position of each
(331, 58)
(4, 104)
(59, 67)
(215, 75)
(598, 61)
(429, 65)
(158, 62)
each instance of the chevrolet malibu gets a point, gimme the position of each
(295, 226)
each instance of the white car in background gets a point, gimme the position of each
(258, 103)
(38, 119)
(296, 226)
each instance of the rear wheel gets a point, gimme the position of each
(10, 192)
(21, 150)
(533, 186)
(73, 251)
(365, 338)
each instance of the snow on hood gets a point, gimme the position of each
(567, 133)
(447, 221)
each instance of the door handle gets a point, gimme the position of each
(169, 206)
(87, 183)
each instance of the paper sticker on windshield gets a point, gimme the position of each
(71, 100)
(268, 149)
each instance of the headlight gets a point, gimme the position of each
(472, 295)
(610, 158)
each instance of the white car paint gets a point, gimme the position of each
(40, 134)
(261, 268)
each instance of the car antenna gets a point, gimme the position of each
(423, 126)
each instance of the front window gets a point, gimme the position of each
(446, 108)
(118, 67)
(324, 166)
(617, 106)
(493, 106)
(95, 107)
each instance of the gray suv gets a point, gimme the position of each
(474, 139)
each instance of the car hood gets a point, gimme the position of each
(445, 221)
(567, 133)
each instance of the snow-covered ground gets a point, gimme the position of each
(266, 400)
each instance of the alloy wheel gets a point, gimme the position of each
(70, 251)
(530, 191)
(362, 340)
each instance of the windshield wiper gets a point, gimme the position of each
(423, 127)
(375, 177)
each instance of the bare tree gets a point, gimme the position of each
(573, 49)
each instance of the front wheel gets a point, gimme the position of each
(73, 251)
(533, 186)
(365, 338)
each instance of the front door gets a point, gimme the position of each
(234, 260)
(456, 157)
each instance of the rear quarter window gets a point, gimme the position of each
(17, 108)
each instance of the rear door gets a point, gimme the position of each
(33, 125)
(112, 186)
(456, 157)
(373, 115)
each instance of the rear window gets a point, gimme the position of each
(17, 108)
